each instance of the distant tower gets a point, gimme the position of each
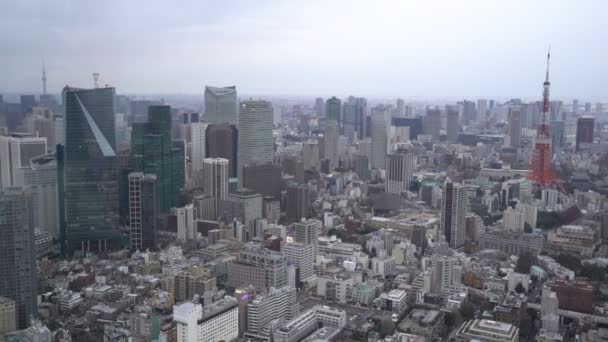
(542, 170)
(43, 79)
(95, 80)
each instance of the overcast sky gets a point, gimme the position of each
(405, 48)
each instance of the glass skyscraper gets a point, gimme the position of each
(154, 152)
(88, 172)
(221, 105)
(17, 261)
(255, 142)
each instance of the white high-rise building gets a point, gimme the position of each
(215, 182)
(303, 256)
(16, 151)
(380, 123)
(221, 105)
(197, 149)
(399, 172)
(443, 268)
(513, 220)
(278, 304)
(453, 210)
(218, 321)
(255, 135)
(330, 143)
(307, 232)
(549, 199)
(186, 229)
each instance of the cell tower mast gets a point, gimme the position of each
(542, 169)
(43, 79)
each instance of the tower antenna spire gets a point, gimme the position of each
(43, 78)
(548, 58)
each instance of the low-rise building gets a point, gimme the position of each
(424, 322)
(487, 331)
(215, 322)
(394, 301)
(513, 243)
(574, 239)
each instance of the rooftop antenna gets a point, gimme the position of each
(96, 80)
(43, 78)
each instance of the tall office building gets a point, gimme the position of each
(469, 113)
(453, 126)
(154, 152)
(350, 120)
(298, 201)
(17, 255)
(558, 131)
(16, 151)
(482, 109)
(515, 127)
(319, 107)
(584, 132)
(143, 213)
(330, 144)
(263, 178)
(303, 256)
(245, 206)
(221, 142)
(88, 170)
(197, 148)
(399, 172)
(380, 122)
(215, 182)
(221, 105)
(431, 123)
(255, 134)
(310, 155)
(333, 110)
(453, 211)
(40, 179)
(186, 228)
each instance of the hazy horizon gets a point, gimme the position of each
(430, 49)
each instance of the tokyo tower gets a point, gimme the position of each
(542, 168)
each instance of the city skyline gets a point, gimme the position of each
(389, 49)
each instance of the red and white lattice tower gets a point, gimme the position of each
(542, 168)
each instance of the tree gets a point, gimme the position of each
(519, 288)
(527, 228)
(467, 311)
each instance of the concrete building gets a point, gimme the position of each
(486, 330)
(303, 256)
(298, 202)
(16, 151)
(263, 178)
(513, 243)
(245, 206)
(271, 309)
(221, 141)
(186, 229)
(215, 183)
(515, 127)
(584, 132)
(453, 125)
(17, 260)
(143, 211)
(380, 120)
(258, 266)
(399, 172)
(8, 316)
(574, 239)
(198, 151)
(393, 301)
(215, 322)
(454, 205)
(221, 105)
(255, 134)
(310, 155)
(309, 321)
(330, 143)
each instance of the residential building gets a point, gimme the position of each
(454, 205)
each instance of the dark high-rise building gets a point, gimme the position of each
(153, 152)
(452, 125)
(221, 142)
(17, 256)
(432, 123)
(414, 124)
(515, 126)
(298, 202)
(469, 113)
(88, 166)
(27, 103)
(264, 178)
(319, 107)
(349, 124)
(361, 166)
(453, 210)
(333, 110)
(584, 132)
(557, 135)
(143, 211)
